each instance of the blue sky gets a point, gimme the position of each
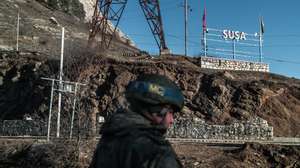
(281, 19)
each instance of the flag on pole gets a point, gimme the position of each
(204, 26)
(262, 26)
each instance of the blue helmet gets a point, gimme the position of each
(153, 90)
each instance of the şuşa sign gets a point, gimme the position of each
(234, 35)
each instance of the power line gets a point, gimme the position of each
(180, 38)
(198, 43)
(169, 35)
(267, 35)
(282, 35)
(282, 61)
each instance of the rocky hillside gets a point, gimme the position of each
(219, 97)
(40, 27)
(216, 96)
(72, 7)
(41, 23)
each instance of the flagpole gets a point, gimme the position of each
(18, 30)
(185, 27)
(260, 39)
(204, 27)
(205, 49)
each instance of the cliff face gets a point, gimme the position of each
(215, 96)
(20, 86)
(219, 97)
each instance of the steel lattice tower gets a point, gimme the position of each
(112, 10)
(105, 10)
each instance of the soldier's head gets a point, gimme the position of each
(156, 97)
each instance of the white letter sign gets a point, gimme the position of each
(234, 35)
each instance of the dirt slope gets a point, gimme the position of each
(249, 155)
(31, 155)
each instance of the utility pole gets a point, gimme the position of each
(63, 86)
(18, 30)
(60, 80)
(185, 26)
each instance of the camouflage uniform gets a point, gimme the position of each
(130, 141)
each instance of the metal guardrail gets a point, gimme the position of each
(275, 141)
(287, 141)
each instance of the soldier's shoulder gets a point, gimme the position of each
(145, 148)
(140, 141)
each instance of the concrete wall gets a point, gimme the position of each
(22, 128)
(253, 129)
(238, 65)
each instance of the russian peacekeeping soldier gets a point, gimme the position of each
(135, 138)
